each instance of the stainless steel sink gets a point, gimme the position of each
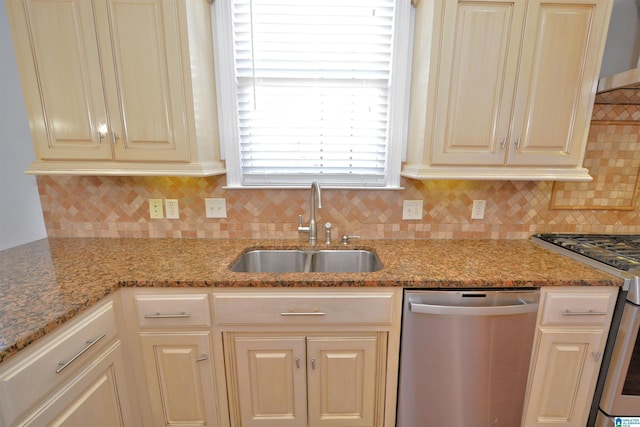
(337, 261)
(309, 261)
(263, 261)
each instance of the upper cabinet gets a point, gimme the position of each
(118, 87)
(504, 89)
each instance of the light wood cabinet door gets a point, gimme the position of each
(478, 65)
(572, 329)
(508, 91)
(344, 381)
(118, 87)
(179, 376)
(309, 357)
(567, 368)
(97, 405)
(482, 116)
(140, 43)
(106, 79)
(559, 65)
(315, 381)
(271, 381)
(59, 62)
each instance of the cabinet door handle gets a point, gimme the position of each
(518, 144)
(202, 358)
(596, 355)
(304, 313)
(102, 132)
(114, 137)
(583, 313)
(167, 315)
(298, 362)
(503, 144)
(313, 363)
(90, 343)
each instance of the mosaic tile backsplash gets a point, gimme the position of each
(118, 206)
(615, 177)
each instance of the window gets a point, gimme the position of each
(313, 90)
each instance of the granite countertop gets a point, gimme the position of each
(45, 283)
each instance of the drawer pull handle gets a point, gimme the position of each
(297, 362)
(583, 313)
(202, 358)
(90, 343)
(167, 316)
(304, 313)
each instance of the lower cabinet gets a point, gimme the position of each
(73, 377)
(280, 357)
(573, 324)
(92, 398)
(171, 360)
(309, 357)
(294, 381)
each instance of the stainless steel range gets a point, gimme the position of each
(618, 391)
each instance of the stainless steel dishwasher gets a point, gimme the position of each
(464, 357)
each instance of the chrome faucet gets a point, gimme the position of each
(312, 227)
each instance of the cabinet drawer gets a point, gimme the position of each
(578, 309)
(303, 308)
(172, 310)
(47, 365)
(98, 389)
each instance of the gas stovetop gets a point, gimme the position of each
(618, 254)
(618, 251)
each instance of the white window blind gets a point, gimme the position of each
(311, 92)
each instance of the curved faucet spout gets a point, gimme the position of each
(315, 186)
(312, 229)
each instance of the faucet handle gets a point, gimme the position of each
(302, 228)
(345, 239)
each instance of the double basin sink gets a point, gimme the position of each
(307, 261)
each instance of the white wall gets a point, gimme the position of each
(623, 38)
(21, 218)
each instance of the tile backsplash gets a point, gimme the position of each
(118, 206)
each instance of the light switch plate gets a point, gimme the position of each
(171, 206)
(215, 208)
(412, 209)
(155, 209)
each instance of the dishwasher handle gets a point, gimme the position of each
(457, 310)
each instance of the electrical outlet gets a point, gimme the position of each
(215, 208)
(477, 212)
(155, 209)
(171, 205)
(412, 209)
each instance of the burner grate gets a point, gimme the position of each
(619, 251)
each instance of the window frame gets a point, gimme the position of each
(398, 108)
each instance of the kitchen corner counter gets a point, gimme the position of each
(45, 283)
